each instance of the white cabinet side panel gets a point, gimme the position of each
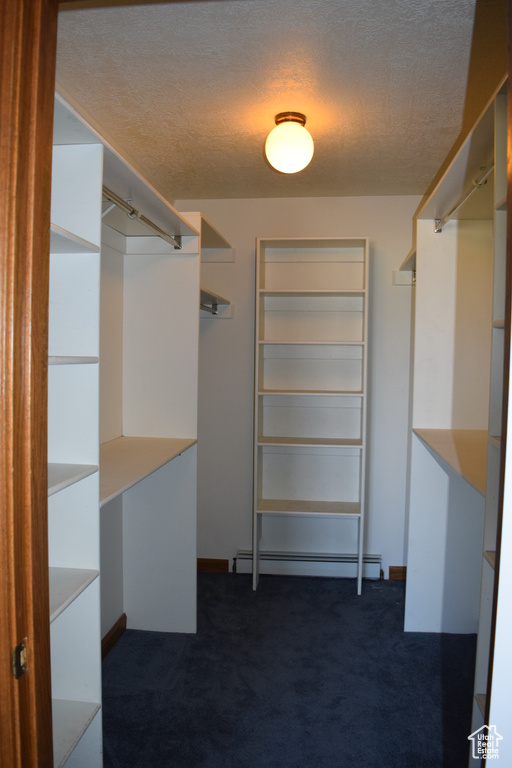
(452, 325)
(111, 560)
(76, 189)
(159, 548)
(445, 545)
(501, 703)
(73, 424)
(161, 338)
(73, 526)
(75, 649)
(111, 340)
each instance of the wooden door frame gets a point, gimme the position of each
(27, 80)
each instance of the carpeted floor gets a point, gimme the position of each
(301, 674)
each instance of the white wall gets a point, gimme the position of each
(226, 369)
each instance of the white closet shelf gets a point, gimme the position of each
(501, 204)
(62, 241)
(480, 699)
(71, 360)
(284, 343)
(66, 584)
(500, 323)
(126, 461)
(409, 263)
(210, 301)
(463, 450)
(490, 556)
(319, 392)
(313, 441)
(308, 508)
(210, 236)
(61, 476)
(70, 721)
(307, 292)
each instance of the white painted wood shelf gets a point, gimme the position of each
(211, 237)
(305, 441)
(308, 508)
(62, 476)
(463, 450)
(126, 461)
(66, 584)
(63, 241)
(210, 301)
(72, 360)
(71, 719)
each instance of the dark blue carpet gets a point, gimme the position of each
(301, 674)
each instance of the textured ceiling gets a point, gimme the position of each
(189, 90)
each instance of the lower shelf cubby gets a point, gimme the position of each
(71, 722)
(319, 473)
(328, 368)
(76, 667)
(327, 316)
(318, 417)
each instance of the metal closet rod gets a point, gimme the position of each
(477, 184)
(174, 240)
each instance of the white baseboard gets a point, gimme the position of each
(309, 564)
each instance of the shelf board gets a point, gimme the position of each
(500, 323)
(315, 393)
(210, 236)
(62, 241)
(480, 699)
(501, 204)
(409, 263)
(311, 293)
(126, 461)
(70, 721)
(314, 441)
(318, 392)
(61, 476)
(463, 450)
(495, 440)
(71, 360)
(120, 175)
(66, 584)
(306, 343)
(490, 556)
(210, 301)
(309, 508)
(476, 152)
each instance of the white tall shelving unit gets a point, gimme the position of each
(148, 397)
(456, 446)
(73, 454)
(310, 383)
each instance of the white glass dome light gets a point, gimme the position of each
(289, 146)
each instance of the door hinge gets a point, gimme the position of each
(20, 659)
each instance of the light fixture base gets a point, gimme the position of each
(290, 117)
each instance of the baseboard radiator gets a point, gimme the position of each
(309, 564)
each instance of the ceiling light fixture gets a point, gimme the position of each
(289, 146)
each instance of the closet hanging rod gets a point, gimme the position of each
(478, 183)
(174, 240)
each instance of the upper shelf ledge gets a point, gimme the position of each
(120, 175)
(210, 301)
